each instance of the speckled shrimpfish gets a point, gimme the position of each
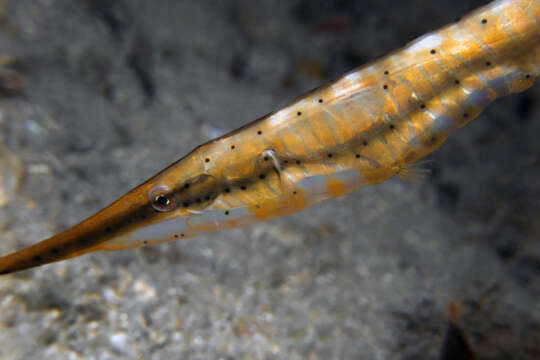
(365, 127)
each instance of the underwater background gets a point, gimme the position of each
(96, 96)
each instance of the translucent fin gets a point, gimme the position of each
(416, 171)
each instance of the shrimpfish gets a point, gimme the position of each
(365, 127)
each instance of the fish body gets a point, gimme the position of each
(367, 126)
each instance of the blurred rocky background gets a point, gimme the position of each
(96, 96)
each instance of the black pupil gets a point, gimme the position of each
(162, 200)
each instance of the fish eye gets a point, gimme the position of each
(162, 199)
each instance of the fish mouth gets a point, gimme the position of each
(53, 249)
(112, 222)
(131, 221)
